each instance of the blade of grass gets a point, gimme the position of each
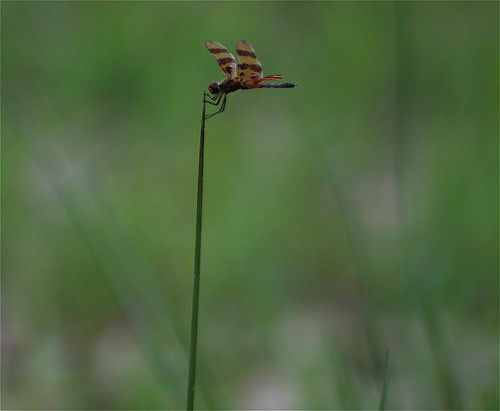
(196, 280)
(383, 396)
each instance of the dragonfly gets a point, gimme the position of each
(244, 73)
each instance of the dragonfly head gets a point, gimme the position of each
(214, 87)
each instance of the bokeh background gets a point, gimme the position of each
(354, 214)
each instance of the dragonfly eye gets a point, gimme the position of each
(213, 87)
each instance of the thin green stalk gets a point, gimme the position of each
(196, 281)
(383, 396)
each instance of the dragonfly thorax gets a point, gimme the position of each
(227, 86)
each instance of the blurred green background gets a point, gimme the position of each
(353, 213)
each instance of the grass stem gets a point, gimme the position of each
(196, 281)
(383, 396)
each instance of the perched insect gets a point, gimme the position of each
(242, 74)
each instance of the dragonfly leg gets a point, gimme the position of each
(223, 98)
(215, 99)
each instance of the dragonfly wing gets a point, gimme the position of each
(248, 64)
(224, 58)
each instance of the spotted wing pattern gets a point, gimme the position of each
(248, 64)
(224, 58)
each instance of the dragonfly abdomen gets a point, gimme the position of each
(279, 85)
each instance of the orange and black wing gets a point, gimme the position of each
(249, 66)
(224, 58)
